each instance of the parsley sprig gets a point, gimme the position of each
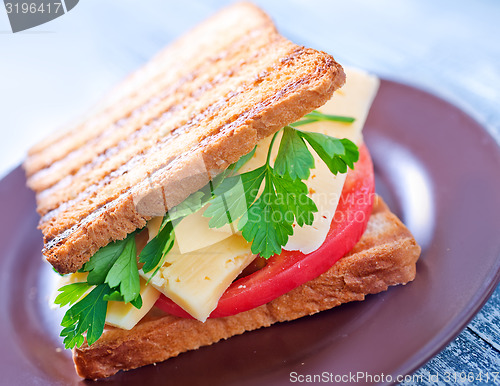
(265, 218)
(316, 116)
(113, 272)
(88, 315)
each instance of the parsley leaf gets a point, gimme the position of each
(294, 195)
(116, 265)
(71, 293)
(316, 116)
(199, 199)
(266, 223)
(337, 154)
(124, 274)
(113, 271)
(88, 315)
(162, 243)
(233, 196)
(269, 221)
(157, 248)
(189, 206)
(294, 158)
(99, 265)
(116, 296)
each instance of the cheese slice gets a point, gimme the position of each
(193, 233)
(125, 315)
(153, 226)
(196, 280)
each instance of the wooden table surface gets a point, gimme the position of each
(447, 47)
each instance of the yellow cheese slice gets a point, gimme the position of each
(196, 280)
(125, 315)
(193, 233)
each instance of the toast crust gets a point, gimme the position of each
(200, 105)
(386, 255)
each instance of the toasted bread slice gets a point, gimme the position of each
(202, 103)
(385, 256)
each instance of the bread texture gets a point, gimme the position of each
(197, 107)
(386, 255)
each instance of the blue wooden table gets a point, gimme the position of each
(449, 48)
(474, 356)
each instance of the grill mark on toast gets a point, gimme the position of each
(162, 142)
(123, 168)
(49, 213)
(253, 20)
(230, 49)
(224, 129)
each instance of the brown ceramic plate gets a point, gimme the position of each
(439, 171)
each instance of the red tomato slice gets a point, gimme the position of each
(291, 269)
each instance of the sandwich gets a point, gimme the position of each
(221, 188)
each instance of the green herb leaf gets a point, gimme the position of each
(190, 205)
(71, 293)
(316, 116)
(157, 248)
(337, 154)
(294, 158)
(116, 296)
(137, 302)
(113, 269)
(233, 196)
(199, 199)
(294, 195)
(267, 223)
(99, 265)
(88, 315)
(303, 122)
(124, 274)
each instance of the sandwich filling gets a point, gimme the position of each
(278, 197)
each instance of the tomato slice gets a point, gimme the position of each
(291, 269)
